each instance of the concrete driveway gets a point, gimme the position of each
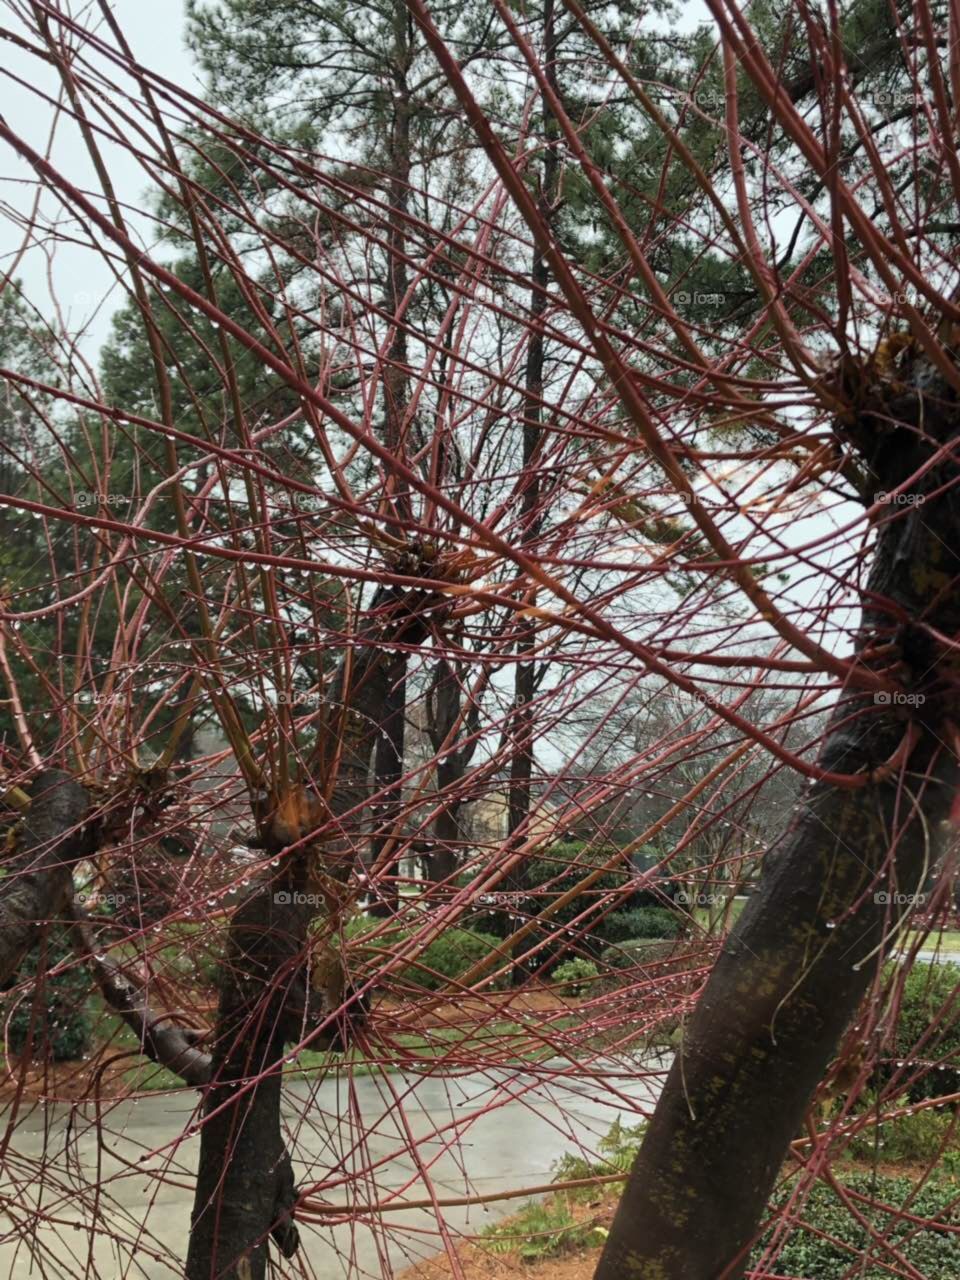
(367, 1140)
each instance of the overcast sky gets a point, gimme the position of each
(81, 280)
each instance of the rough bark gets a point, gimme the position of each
(39, 882)
(245, 1184)
(388, 756)
(245, 1188)
(389, 748)
(796, 966)
(444, 712)
(161, 1038)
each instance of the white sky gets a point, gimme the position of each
(81, 280)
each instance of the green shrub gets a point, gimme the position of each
(642, 922)
(544, 1230)
(918, 1138)
(576, 975)
(927, 989)
(560, 869)
(194, 950)
(51, 1011)
(448, 956)
(930, 1251)
(553, 874)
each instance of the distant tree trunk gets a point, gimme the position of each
(389, 750)
(444, 711)
(796, 966)
(388, 755)
(522, 718)
(443, 858)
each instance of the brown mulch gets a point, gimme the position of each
(67, 1081)
(578, 1264)
(478, 1263)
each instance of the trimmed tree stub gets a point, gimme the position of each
(797, 964)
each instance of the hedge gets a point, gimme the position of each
(447, 957)
(927, 989)
(641, 922)
(53, 1017)
(934, 1253)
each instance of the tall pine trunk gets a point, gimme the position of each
(522, 727)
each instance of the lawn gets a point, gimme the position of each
(948, 942)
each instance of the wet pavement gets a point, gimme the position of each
(397, 1138)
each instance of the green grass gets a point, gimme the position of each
(418, 1049)
(704, 915)
(410, 1052)
(147, 1077)
(948, 942)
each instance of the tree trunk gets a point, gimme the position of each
(38, 884)
(245, 1190)
(795, 969)
(387, 775)
(389, 749)
(444, 713)
(522, 719)
(245, 1187)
